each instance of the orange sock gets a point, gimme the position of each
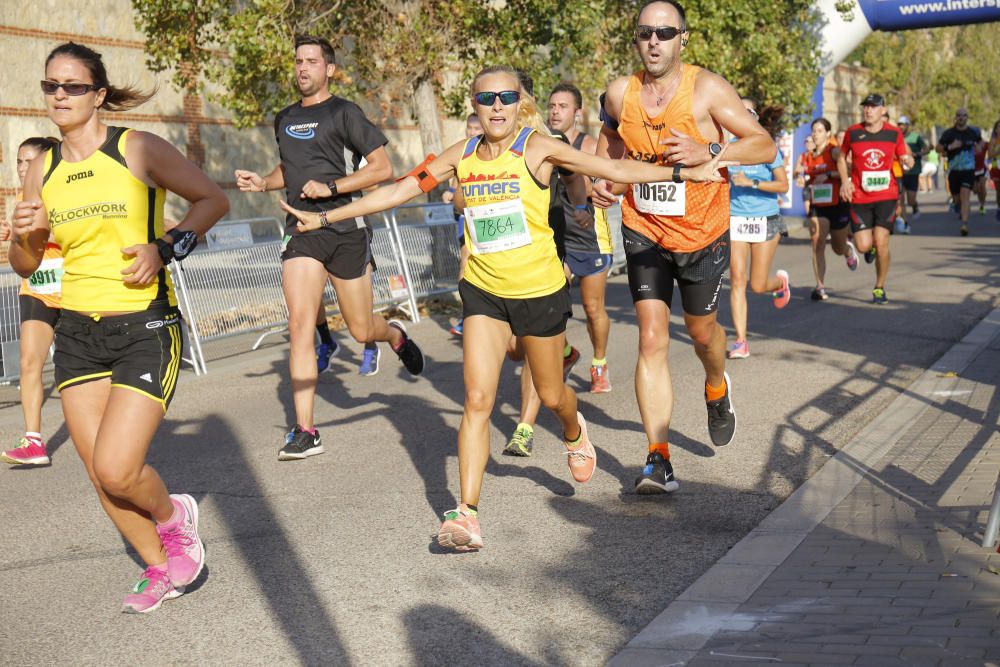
(715, 393)
(661, 447)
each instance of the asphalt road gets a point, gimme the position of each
(331, 560)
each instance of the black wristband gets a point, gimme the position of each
(333, 187)
(677, 173)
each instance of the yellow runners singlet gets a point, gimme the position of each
(507, 224)
(97, 207)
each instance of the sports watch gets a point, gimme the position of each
(184, 241)
(333, 187)
(756, 183)
(714, 149)
(677, 173)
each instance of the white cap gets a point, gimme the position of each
(904, 120)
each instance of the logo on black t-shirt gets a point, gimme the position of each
(302, 131)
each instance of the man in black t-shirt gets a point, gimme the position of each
(322, 140)
(959, 143)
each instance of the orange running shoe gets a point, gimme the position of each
(600, 382)
(582, 459)
(460, 530)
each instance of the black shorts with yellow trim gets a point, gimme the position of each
(137, 351)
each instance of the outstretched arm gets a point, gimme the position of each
(623, 171)
(441, 168)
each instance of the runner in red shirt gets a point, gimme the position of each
(870, 187)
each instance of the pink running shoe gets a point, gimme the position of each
(149, 593)
(460, 530)
(852, 257)
(600, 383)
(739, 350)
(582, 459)
(185, 551)
(784, 295)
(28, 452)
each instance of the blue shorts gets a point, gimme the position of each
(583, 264)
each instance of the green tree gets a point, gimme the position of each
(927, 74)
(421, 51)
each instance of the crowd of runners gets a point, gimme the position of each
(693, 165)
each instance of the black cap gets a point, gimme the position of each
(873, 100)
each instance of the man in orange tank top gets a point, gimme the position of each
(673, 113)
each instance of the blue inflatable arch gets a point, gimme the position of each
(839, 37)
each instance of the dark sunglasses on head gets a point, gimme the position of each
(663, 33)
(50, 88)
(506, 97)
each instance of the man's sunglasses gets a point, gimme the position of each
(74, 89)
(506, 97)
(663, 33)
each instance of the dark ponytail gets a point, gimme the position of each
(41, 143)
(115, 99)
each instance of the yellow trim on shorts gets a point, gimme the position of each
(163, 403)
(84, 378)
(169, 381)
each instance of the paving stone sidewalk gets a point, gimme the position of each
(876, 560)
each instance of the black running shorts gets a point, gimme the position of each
(345, 255)
(138, 351)
(542, 316)
(839, 215)
(961, 178)
(876, 214)
(652, 271)
(36, 309)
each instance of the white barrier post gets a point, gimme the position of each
(197, 355)
(404, 265)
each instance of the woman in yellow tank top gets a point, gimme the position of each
(514, 283)
(100, 192)
(38, 301)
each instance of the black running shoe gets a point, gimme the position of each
(300, 444)
(657, 476)
(722, 417)
(408, 353)
(870, 255)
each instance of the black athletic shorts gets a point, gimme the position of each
(911, 182)
(138, 351)
(542, 316)
(875, 214)
(839, 215)
(652, 271)
(345, 255)
(36, 309)
(963, 178)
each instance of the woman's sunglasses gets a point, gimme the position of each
(663, 33)
(506, 97)
(74, 89)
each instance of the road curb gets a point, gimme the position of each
(710, 603)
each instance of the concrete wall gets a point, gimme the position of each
(200, 129)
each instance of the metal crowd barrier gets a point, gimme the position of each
(231, 284)
(10, 326)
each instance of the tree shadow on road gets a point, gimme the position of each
(280, 575)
